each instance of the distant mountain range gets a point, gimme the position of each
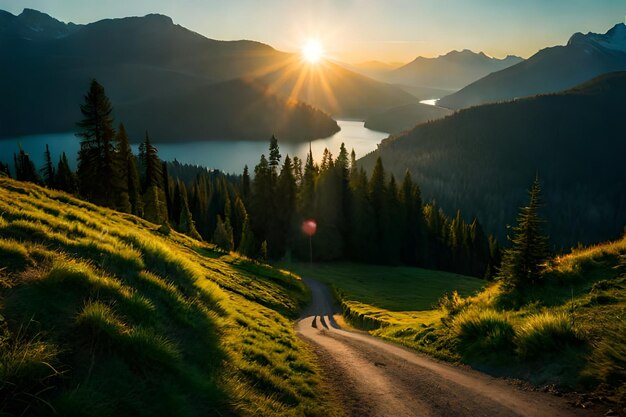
(451, 71)
(549, 70)
(150, 66)
(482, 160)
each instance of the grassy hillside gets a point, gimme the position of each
(570, 332)
(374, 296)
(104, 314)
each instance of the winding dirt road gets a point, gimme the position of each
(375, 378)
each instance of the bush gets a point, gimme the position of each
(482, 333)
(546, 334)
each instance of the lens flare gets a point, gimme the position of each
(309, 227)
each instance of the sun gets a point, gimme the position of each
(312, 51)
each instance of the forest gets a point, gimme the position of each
(372, 219)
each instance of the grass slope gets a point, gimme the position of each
(103, 314)
(373, 296)
(570, 331)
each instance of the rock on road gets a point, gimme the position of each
(374, 378)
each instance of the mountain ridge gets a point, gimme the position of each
(549, 70)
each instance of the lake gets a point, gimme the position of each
(226, 155)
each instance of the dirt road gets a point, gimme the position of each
(375, 378)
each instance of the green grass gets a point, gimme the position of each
(102, 314)
(569, 330)
(387, 287)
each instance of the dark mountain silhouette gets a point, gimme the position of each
(151, 59)
(454, 70)
(482, 160)
(549, 70)
(405, 117)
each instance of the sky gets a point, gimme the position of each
(362, 30)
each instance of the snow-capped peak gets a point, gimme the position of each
(614, 39)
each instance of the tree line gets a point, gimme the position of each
(363, 218)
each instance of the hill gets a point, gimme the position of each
(549, 70)
(405, 117)
(481, 160)
(145, 59)
(568, 335)
(451, 71)
(105, 314)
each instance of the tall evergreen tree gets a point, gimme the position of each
(285, 202)
(522, 263)
(262, 210)
(151, 165)
(185, 223)
(246, 243)
(223, 236)
(130, 188)
(47, 171)
(245, 184)
(24, 168)
(65, 178)
(274, 158)
(96, 172)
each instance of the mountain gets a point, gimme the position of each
(374, 69)
(451, 71)
(144, 59)
(482, 160)
(549, 70)
(405, 117)
(32, 24)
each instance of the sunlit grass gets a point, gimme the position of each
(143, 323)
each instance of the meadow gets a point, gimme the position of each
(568, 334)
(104, 314)
(372, 296)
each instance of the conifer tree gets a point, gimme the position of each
(262, 210)
(130, 187)
(238, 218)
(96, 172)
(65, 178)
(24, 168)
(151, 165)
(285, 209)
(245, 184)
(522, 263)
(274, 158)
(223, 236)
(4, 170)
(186, 224)
(246, 243)
(307, 189)
(47, 171)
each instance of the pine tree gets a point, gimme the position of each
(47, 171)
(65, 179)
(307, 189)
(151, 165)
(274, 158)
(262, 209)
(4, 170)
(24, 168)
(129, 193)
(246, 243)
(285, 202)
(186, 224)
(96, 173)
(245, 184)
(414, 239)
(223, 236)
(238, 219)
(523, 262)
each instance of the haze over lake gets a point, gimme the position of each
(226, 155)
